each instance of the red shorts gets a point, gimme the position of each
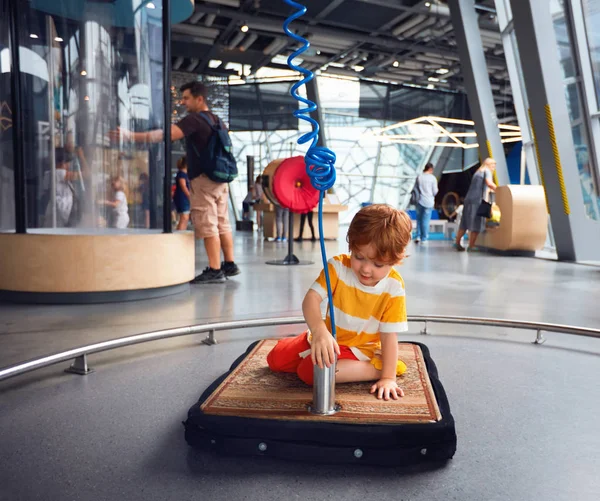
(285, 357)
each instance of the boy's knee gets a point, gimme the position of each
(305, 371)
(274, 361)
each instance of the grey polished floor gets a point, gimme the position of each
(526, 414)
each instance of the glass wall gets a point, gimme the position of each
(591, 14)
(579, 129)
(87, 68)
(367, 170)
(7, 190)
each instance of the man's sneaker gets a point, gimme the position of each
(210, 276)
(230, 269)
(417, 240)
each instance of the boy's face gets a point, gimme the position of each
(366, 267)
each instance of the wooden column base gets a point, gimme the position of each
(111, 264)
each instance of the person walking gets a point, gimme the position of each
(428, 189)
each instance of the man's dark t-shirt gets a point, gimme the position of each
(197, 133)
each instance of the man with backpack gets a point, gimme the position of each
(211, 167)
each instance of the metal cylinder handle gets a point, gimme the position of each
(324, 390)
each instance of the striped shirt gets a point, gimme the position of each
(362, 312)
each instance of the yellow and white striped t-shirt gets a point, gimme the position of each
(362, 312)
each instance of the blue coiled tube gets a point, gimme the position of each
(320, 161)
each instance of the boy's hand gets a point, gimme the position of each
(323, 348)
(387, 388)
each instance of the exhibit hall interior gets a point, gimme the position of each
(270, 249)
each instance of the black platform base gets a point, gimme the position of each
(386, 444)
(318, 453)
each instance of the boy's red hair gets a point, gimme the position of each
(388, 229)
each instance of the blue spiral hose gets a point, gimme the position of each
(320, 161)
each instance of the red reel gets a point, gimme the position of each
(290, 185)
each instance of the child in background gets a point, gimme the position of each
(255, 196)
(144, 190)
(64, 189)
(282, 217)
(259, 197)
(370, 308)
(181, 197)
(119, 217)
(246, 203)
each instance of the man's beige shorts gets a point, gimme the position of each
(210, 213)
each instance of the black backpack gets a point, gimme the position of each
(415, 194)
(216, 160)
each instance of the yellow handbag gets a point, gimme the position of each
(494, 219)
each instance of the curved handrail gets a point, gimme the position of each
(211, 328)
(513, 324)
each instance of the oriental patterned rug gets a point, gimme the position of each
(253, 391)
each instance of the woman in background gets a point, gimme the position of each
(481, 182)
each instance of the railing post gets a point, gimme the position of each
(424, 331)
(539, 337)
(80, 366)
(210, 338)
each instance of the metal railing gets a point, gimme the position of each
(80, 354)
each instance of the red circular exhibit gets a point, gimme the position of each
(292, 187)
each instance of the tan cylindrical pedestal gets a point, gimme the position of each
(330, 221)
(55, 264)
(524, 221)
(269, 174)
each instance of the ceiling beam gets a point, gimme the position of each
(220, 41)
(274, 24)
(334, 4)
(391, 4)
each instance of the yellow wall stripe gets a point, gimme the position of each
(559, 172)
(539, 158)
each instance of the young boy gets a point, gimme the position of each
(370, 308)
(182, 197)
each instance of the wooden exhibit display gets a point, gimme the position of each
(295, 178)
(330, 221)
(61, 262)
(523, 223)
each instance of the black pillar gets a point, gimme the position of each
(249, 170)
(312, 93)
(166, 20)
(17, 121)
